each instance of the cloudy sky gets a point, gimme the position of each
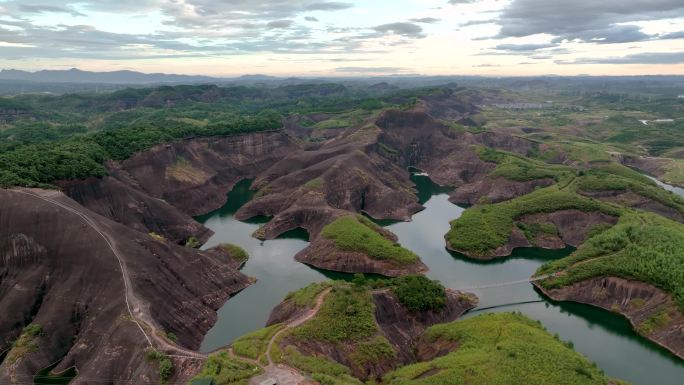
(346, 37)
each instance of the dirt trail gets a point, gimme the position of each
(133, 303)
(281, 373)
(296, 322)
(284, 374)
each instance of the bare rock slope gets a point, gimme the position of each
(650, 310)
(60, 272)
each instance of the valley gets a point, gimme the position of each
(213, 203)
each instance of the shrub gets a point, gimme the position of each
(26, 343)
(225, 370)
(641, 246)
(306, 296)
(166, 368)
(418, 293)
(346, 316)
(235, 251)
(254, 344)
(193, 242)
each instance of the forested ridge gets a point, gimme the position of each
(47, 138)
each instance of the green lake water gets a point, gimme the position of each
(677, 190)
(604, 337)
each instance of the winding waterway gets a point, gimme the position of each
(677, 190)
(604, 337)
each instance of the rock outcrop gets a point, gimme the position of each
(632, 199)
(403, 328)
(399, 326)
(572, 226)
(159, 189)
(650, 310)
(494, 190)
(123, 203)
(323, 254)
(61, 273)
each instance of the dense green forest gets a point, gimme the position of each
(48, 138)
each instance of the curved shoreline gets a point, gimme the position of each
(564, 293)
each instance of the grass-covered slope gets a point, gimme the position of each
(604, 180)
(482, 229)
(522, 169)
(307, 295)
(641, 246)
(253, 345)
(501, 348)
(224, 370)
(345, 324)
(236, 252)
(346, 316)
(357, 233)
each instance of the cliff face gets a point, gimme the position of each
(196, 174)
(403, 329)
(416, 139)
(323, 254)
(494, 190)
(571, 228)
(651, 311)
(159, 189)
(61, 273)
(124, 203)
(631, 199)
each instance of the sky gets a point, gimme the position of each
(347, 37)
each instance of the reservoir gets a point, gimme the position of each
(602, 336)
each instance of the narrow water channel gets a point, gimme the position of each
(604, 337)
(271, 262)
(677, 190)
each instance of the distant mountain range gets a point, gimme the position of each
(75, 75)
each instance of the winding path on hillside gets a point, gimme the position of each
(297, 321)
(281, 373)
(133, 303)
